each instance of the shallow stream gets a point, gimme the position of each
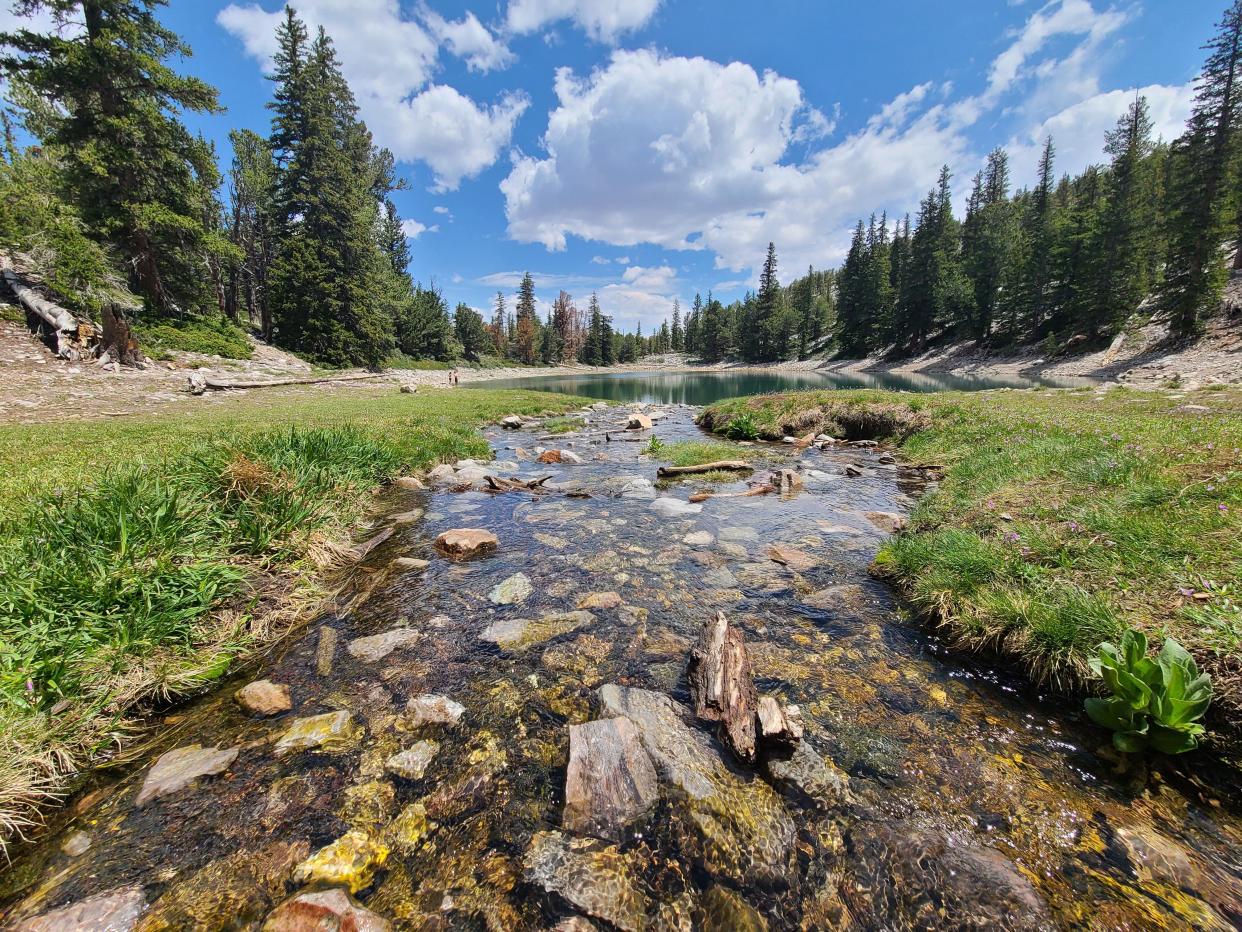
(931, 790)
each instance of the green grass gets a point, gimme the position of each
(1062, 518)
(122, 541)
(697, 452)
(401, 361)
(563, 425)
(211, 336)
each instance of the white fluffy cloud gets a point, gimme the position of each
(649, 279)
(687, 153)
(602, 20)
(413, 229)
(389, 60)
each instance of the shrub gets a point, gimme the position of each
(211, 336)
(742, 427)
(1154, 703)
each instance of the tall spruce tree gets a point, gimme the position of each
(987, 241)
(143, 184)
(764, 329)
(854, 326)
(471, 333)
(251, 227)
(527, 328)
(678, 334)
(1200, 175)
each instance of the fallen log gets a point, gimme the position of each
(751, 493)
(70, 333)
(224, 385)
(704, 467)
(501, 484)
(721, 685)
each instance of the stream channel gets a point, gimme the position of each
(930, 790)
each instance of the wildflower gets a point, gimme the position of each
(1012, 537)
(29, 685)
(1186, 592)
(1222, 508)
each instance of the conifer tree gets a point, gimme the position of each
(142, 183)
(252, 228)
(527, 326)
(1200, 175)
(471, 333)
(678, 335)
(499, 332)
(854, 326)
(764, 330)
(987, 241)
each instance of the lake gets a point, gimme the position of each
(701, 388)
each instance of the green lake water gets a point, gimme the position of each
(702, 388)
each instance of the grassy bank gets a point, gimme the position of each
(146, 557)
(1063, 516)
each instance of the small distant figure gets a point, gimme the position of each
(455, 377)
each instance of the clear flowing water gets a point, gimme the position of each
(931, 790)
(702, 388)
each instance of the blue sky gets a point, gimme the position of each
(649, 149)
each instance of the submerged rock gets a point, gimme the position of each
(263, 697)
(412, 763)
(611, 780)
(791, 557)
(739, 829)
(350, 861)
(179, 768)
(638, 422)
(601, 600)
(324, 911)
(887, 521)
(466, 542)
(432, 709)
(410, 564)
(76, 844)
(803, 773)
(723, 909)
(517, 634)
(698, 539)
(513, 590)
(376, 647)
(406, 832)
(330, 732)
(115, 911)
(593, 876)
(675, 507)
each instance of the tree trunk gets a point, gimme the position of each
(71, 336)
(118, 340)
(721, 685)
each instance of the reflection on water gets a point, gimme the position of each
(702, 388)
(931, 791)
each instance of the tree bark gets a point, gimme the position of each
(118, 340)
(721, 685)
(70, 334)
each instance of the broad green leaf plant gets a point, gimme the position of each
(1156, 702)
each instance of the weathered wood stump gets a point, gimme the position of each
(721, 685)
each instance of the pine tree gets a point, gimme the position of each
(499, 332)
(252, 228)
(142, 183)
(550, 346)
(854, 325)
(678, 335)
(987, 241)
(424, 329)
(527, 327)
(1031, 299)
(471, 333)
(335, 294)
(393, 241)
(694, 323)
(764, 329)
(1200, 173)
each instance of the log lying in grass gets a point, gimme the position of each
(198, 384)
(71, 334)
(737, 465)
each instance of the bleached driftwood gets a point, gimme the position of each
(199, 384)
(71, 334)
(737, 465)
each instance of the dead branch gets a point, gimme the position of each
(739, 465)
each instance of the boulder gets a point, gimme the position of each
(738, 830)
(179, 768)
(594, 877)
(331, 910)
(443, 471)
(721, 685)
(513, 590)
(571, 458)
(842, 597)
(349, 861)
(611, 780)
(779, 726)
(792, 557)
(517, 634)
(409, 483)
(549, 456)
(376, 647)
(467, 542)
(511, 422)
(852, 471)
(638, 422)
(786, 481)
(412, 763)
(698, 539)
(431, 709)
(329, 733)
(887, 521)
(263, 697)
(410, 564)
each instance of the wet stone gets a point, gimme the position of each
(412, 763)
(178, 769)
(350, 861)
(805, 774)
(611, 780)
(698, 539)
(739, 534)
(431, 709)
(376, 647)
(513, 590)
(517, 634)
(675, 507)
(410, 564)
(331, 732)
(76, 844)
(467, 542)
(601, 600)
(324, 911)
(263, 697)
(722, 908)
(407, 831)
(115, 911)
(845, 597)
(592, 876)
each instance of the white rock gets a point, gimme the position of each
(432, 709)
(378, 646)
(675, 507)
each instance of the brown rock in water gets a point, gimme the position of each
(179, 768)
(779, 726)
(638, 422)
(787, 481)
(611, 780)
(887, 521)
(116, 911)
(721, 685)
(263, 697)
(410, 483)
(550, 456)
(466, 542)
(326, 911)
(601, 600)
(792, 557)
(325, 651)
